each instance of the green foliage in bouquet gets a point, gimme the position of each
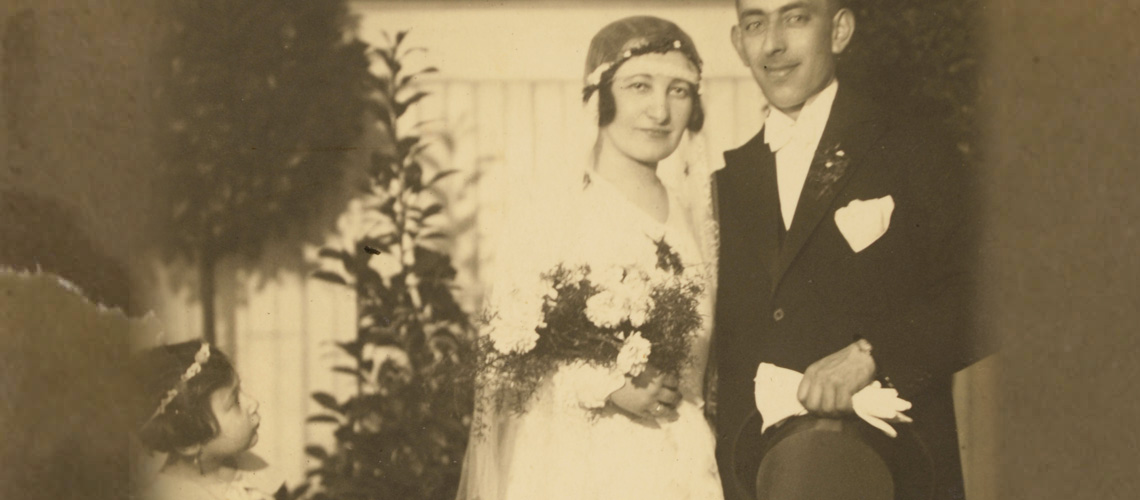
(569, 327)
(404, 431)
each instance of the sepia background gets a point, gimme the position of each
(78, 173)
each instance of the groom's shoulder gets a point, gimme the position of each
(916, 138)
(907, 131)
(744, 154)
(899, 119)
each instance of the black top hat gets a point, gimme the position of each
(815, 458)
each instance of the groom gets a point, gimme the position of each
(843, 243)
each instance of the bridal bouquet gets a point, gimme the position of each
(621, 318)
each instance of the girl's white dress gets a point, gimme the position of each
(563, 446)
(170, 487)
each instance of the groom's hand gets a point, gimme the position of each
(829, 383)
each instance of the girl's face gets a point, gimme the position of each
(653, 95)
(238, 421)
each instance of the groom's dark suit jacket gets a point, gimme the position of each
(793, 297)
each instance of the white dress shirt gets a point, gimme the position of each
(795, 143)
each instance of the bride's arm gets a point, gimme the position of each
(650, 395)
(584, 385)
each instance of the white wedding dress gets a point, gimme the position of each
(555, 450)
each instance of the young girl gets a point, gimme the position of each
(194, 417)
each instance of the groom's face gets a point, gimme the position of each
(790, 46)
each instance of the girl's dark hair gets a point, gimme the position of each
(189, 418)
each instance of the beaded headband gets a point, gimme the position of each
(605, 71)
(200, 359)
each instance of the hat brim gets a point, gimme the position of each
(809, 457)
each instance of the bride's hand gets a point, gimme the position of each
(651, 395)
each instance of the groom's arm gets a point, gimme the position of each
(927, 338)
(923, 339)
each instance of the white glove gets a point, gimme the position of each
(877, 405)
(776, 400)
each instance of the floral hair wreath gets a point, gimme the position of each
(200, 359)
(605, 71)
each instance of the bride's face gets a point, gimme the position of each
(653, 96)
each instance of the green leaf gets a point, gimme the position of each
(330, 277)
(382, 161)
(434, 209)
(323, 419)
(381, 83)
(412, 50)
(408, 79)
(388, 208)
(316, 452)
(351, 348)
(406, 144)
(326, 400)
(381, 110)
(440, 176)
(414, 177)
(350, 371)
(330, 253)
(413, 155)
(390, 60)
(299, 492)
(402, 106)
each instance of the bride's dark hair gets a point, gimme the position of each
(630, 37)
(189, 418)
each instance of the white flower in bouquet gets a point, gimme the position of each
(634, 355)
(514, 327)
(639, 312)
(608, 278)
(515, 335)
(624, 295)
(636, 288)
(606, 309)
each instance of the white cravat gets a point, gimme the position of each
(795, 142)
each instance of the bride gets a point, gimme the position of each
(621, 437)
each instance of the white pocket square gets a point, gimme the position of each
(863, 222)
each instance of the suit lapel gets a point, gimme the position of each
(852, 127)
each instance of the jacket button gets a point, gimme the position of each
(778, 314)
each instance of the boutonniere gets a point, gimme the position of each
(835, 162)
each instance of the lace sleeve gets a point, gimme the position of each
(585, 385)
